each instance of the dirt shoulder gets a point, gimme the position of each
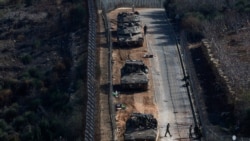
(104, 132)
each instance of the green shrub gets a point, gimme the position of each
(19, 122)
(28, 135)
(74, 126)
(5, 96)
(192, 25)
(33, 105)
(3, 2)
(81, 70)
(3, 135)
(207, 10)
(38, 83)
(170, 7)
(31, 116)
(55, 100)
(26, 59)
(10, 112)
(46, 133)
(242, 6)
(77, 16)
(37, 44)
(3, 124)
(25, 75)
(59, 67)
(35, 73)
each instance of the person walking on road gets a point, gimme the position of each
(145, 29)
(190, 131)
(167, 130)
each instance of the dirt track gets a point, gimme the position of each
(142, 102)
(103, 129)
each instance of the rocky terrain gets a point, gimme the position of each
(43, 59)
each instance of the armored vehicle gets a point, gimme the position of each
(134, 75)
(141, 127)
(130, 34)
(126, 17)
(129, 29)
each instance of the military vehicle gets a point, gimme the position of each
(134, 75)
(129, 29)
(127, 17)
(141, 127)
(130, 35)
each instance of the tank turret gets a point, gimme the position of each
(134, 75)
(129, 29)
(141, 127)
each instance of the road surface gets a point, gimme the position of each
(171, 96)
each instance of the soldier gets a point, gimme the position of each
(167, 130)
(145, 29)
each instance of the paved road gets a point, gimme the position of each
(170, 95)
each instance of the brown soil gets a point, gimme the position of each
(141, 101)
(103, 127)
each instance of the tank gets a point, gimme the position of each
(134, 75)
(141, 127)
(125, 17)
(130, 34)
(129, 30)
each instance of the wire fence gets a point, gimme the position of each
(113, 4)
(210, 132)
(91, 90)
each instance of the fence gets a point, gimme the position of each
(208, 130)
(113, 4)
(91, 90)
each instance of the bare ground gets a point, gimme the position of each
(104, 132)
